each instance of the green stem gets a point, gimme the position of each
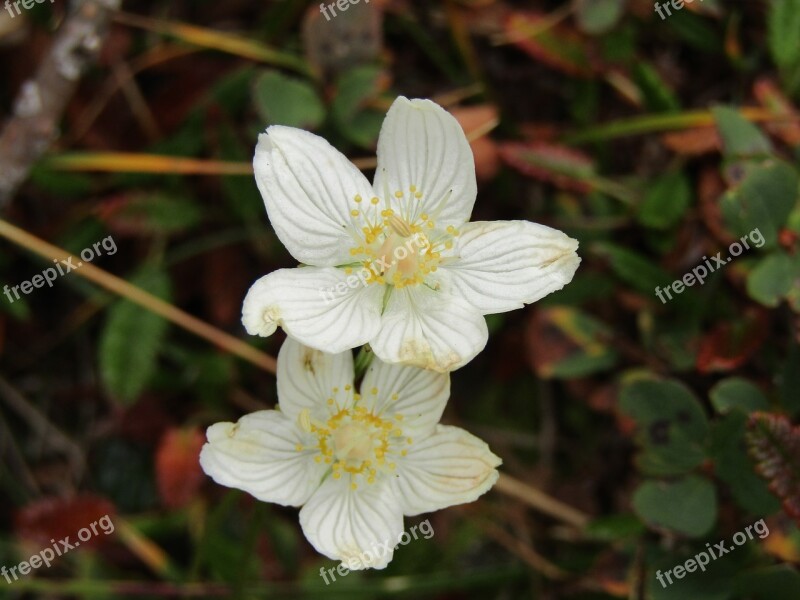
(363, 361)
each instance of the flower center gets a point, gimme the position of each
(400, 247)
(355, 441)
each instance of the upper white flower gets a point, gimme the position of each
(357, 461)
(394, 264)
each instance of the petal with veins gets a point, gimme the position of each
(422, 145)
(447, 468)
(260, 456)
(308, 377)
(308, 187)
(429, 329)
(416, 396)
(314, 305)
(499, 266)
(360, 527)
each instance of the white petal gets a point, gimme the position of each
(449, 467)
(259, 455)
(359, 527)
(307, 377)
(422, 145)
(309, 188)
(421, 396)
(315, 305)
(429, 329)
(503, 265)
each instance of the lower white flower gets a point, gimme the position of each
(357, 461)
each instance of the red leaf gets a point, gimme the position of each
(732, 343)
(771, 98)
(557, 46)
(562, 166)
(693, 142)
(775, 446)
(177, 466)
(57, 518)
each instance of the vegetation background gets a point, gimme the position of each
(633, 432)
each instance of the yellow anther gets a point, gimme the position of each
(404, 453)
(337, 475)
(430, 224)
(424, 216)
(358, 198)
(399, 417)
(374, 200)
(354, 486)
(418, 195)
(348, 387)
(412, 189)
(317, 459)
(374, 391)
(330, 401)
(299, 447)
(354, 212)
(398, 194)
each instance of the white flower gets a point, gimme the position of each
(356, 462)
(430, 275)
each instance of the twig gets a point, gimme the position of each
(41, 100)
(525, 552)
(142, 298)
(540, 501)
(48, 432)
(507, 485)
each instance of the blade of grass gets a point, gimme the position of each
(216, 40)
(120, 162)
(144, 299)
(665, 122)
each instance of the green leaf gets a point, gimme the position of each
(356, 88)
(633, 268)
(598, 16)
(666, 201)
(671, 425)
(737, 393)
(779, 582)
(733, 466)
(283, 100)
(160, 212)
(567, 343)
(762, 202)
(614, 527)
(658, 95)
(740, 138)
(687, 506)
(772, 279)
(783, 25)
(131, 338)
